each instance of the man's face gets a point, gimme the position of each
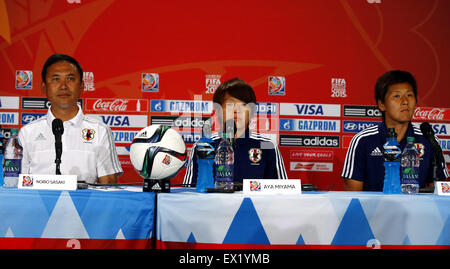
(399, 104)
(239, 111)
(62, 85)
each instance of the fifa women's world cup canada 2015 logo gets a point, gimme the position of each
(24, 80)
(27, 181)
(150, 82)
(277, 85)
(255, 185)
(445, 187)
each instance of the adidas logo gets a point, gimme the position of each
(40, 137)
(376, 152)
(143, 134)
(156, 187)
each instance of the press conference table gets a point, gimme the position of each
(186, 219)
(76, 219)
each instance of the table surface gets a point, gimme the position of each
(187, 217)
(82, 214)
(314, 218)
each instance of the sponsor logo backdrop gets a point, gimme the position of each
(313, 65)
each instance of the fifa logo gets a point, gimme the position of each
(211, 83)
(338, 87)
(88, 79)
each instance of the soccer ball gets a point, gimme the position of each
(158, 152)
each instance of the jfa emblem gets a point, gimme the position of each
(150, 82)
(421, 148)
(24, 80)
(88, 134)
(277, 85)
(255, 155)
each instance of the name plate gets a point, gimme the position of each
(47, 182)
(271, 186)
(442, 187)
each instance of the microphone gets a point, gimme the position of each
(428, 132)
(230, 127)
(58, 130)
(230, 130)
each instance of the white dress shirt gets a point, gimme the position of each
(88, 146)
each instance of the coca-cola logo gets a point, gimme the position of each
(424, 113)
(116, 105)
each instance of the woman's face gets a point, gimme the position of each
(239, 111)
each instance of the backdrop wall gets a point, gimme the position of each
(313, 65)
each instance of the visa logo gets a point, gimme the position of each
(116, 120)
(306, 109)
(440, 129)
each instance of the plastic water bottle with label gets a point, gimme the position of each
(410, 168)
(1, 157)
(12, 164)
(224, 164)
(391, 155)
(205, 153)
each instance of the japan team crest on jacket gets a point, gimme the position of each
(255, 155)
(88, 134)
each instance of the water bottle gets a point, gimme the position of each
(391, 155)
(224, 162)
(13, 160)
(205, 152)
(410, 167)
(1, 158)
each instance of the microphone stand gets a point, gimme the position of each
(437, 157)
(58, 163)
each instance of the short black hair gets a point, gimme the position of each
(390, 78)
(58, 57)
(237, 88)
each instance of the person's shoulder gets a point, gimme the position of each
(267, 139)
(367, 133)
(419, 136)
(260, 137)
(417, 131)
(94, 121)
(365, 137)
(37, 123)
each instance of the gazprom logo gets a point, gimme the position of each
(9, 118)
(181, 106)
(157, 106)
(310, 125)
